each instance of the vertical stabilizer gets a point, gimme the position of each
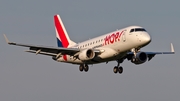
(63, 39)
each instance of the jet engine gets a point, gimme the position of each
(140, 58)
(86, 54)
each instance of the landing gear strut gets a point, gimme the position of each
(84, 67)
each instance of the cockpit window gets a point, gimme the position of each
(132, 30)
(140, 29)
(137, 30)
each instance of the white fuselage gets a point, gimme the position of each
(113, 45)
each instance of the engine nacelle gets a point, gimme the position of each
(86, 54)
(140, 58)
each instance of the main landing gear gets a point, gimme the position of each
(84, 67)
(118, 68)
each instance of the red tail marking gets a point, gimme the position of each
(61, 32)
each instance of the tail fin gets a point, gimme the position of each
(63, 39)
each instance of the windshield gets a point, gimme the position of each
(137, 30)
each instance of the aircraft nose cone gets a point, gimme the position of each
(147, 38)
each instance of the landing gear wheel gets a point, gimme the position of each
(115, 70)
(86, 68)
(81, 68)
(120, 69)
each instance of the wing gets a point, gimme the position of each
(152, 54)
(45, 50)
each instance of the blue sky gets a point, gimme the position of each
(27, 77)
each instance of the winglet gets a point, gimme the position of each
(172, 48)
(10, 43)
(6, 39)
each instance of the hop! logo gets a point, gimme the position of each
(110, 39)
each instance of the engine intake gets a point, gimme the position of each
(86, 54)
(140, 58)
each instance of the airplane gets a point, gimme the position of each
(115, 46)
